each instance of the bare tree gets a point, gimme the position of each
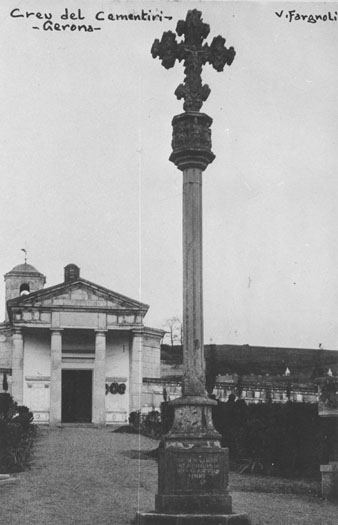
(173, 328)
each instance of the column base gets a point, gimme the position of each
(99, 421)
(156, 518)
(193, 503)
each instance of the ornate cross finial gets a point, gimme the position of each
(194, 54)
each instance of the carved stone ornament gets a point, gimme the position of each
(194, 55)
(191, 141)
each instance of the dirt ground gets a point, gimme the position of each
(94, 476)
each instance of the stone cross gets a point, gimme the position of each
(194, 54)
(193, 468)
(191, 154)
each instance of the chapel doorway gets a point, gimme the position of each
(77, 396)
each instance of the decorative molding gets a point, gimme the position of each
(37, 378)
(117, 416)
(191, 141)
(41, 416)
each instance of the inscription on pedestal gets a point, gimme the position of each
(189, 471)
(197, 472)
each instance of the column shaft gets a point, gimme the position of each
(193, 351)
(135, 385)
(55, 377)
(17, 367)
(99, 379)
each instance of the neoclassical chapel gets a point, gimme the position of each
(74, 352)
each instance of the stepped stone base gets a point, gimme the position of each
(193, 471)
(193, 503)
(155, 518)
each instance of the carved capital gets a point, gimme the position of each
(191, 141)
(193, 421)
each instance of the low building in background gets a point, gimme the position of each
(254, 374)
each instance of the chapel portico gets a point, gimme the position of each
(79, 351)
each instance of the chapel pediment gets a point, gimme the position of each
(77, 295)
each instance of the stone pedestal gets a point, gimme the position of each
(193, 471)
(193, 468)
(193, 481)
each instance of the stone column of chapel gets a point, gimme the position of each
(17, 366)
(135, 383)
(55, 376)
(99, 378)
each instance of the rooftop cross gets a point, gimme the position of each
(194, 54)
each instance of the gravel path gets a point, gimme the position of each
(93, 476)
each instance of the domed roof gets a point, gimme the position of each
(24, 268)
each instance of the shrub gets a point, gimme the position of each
(147, 424)
(151, 424)
(16, 435)
(289, 439)
(135, 419)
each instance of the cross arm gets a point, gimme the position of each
(167, 49)
(219, 55)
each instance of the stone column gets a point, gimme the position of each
(193, 353)
(17, 366)
(55, 377)
(135, 383)
(99, 379)
(192, 154)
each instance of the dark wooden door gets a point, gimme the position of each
(76, 396)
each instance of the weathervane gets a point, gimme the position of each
(25, 252)
(194, 54)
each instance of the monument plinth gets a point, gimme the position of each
(193, 468)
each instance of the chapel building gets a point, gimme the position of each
(74, 352)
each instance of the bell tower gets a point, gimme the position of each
(23, 279)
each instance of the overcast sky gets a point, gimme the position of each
(84, 144)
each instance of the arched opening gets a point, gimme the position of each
(24, 289)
